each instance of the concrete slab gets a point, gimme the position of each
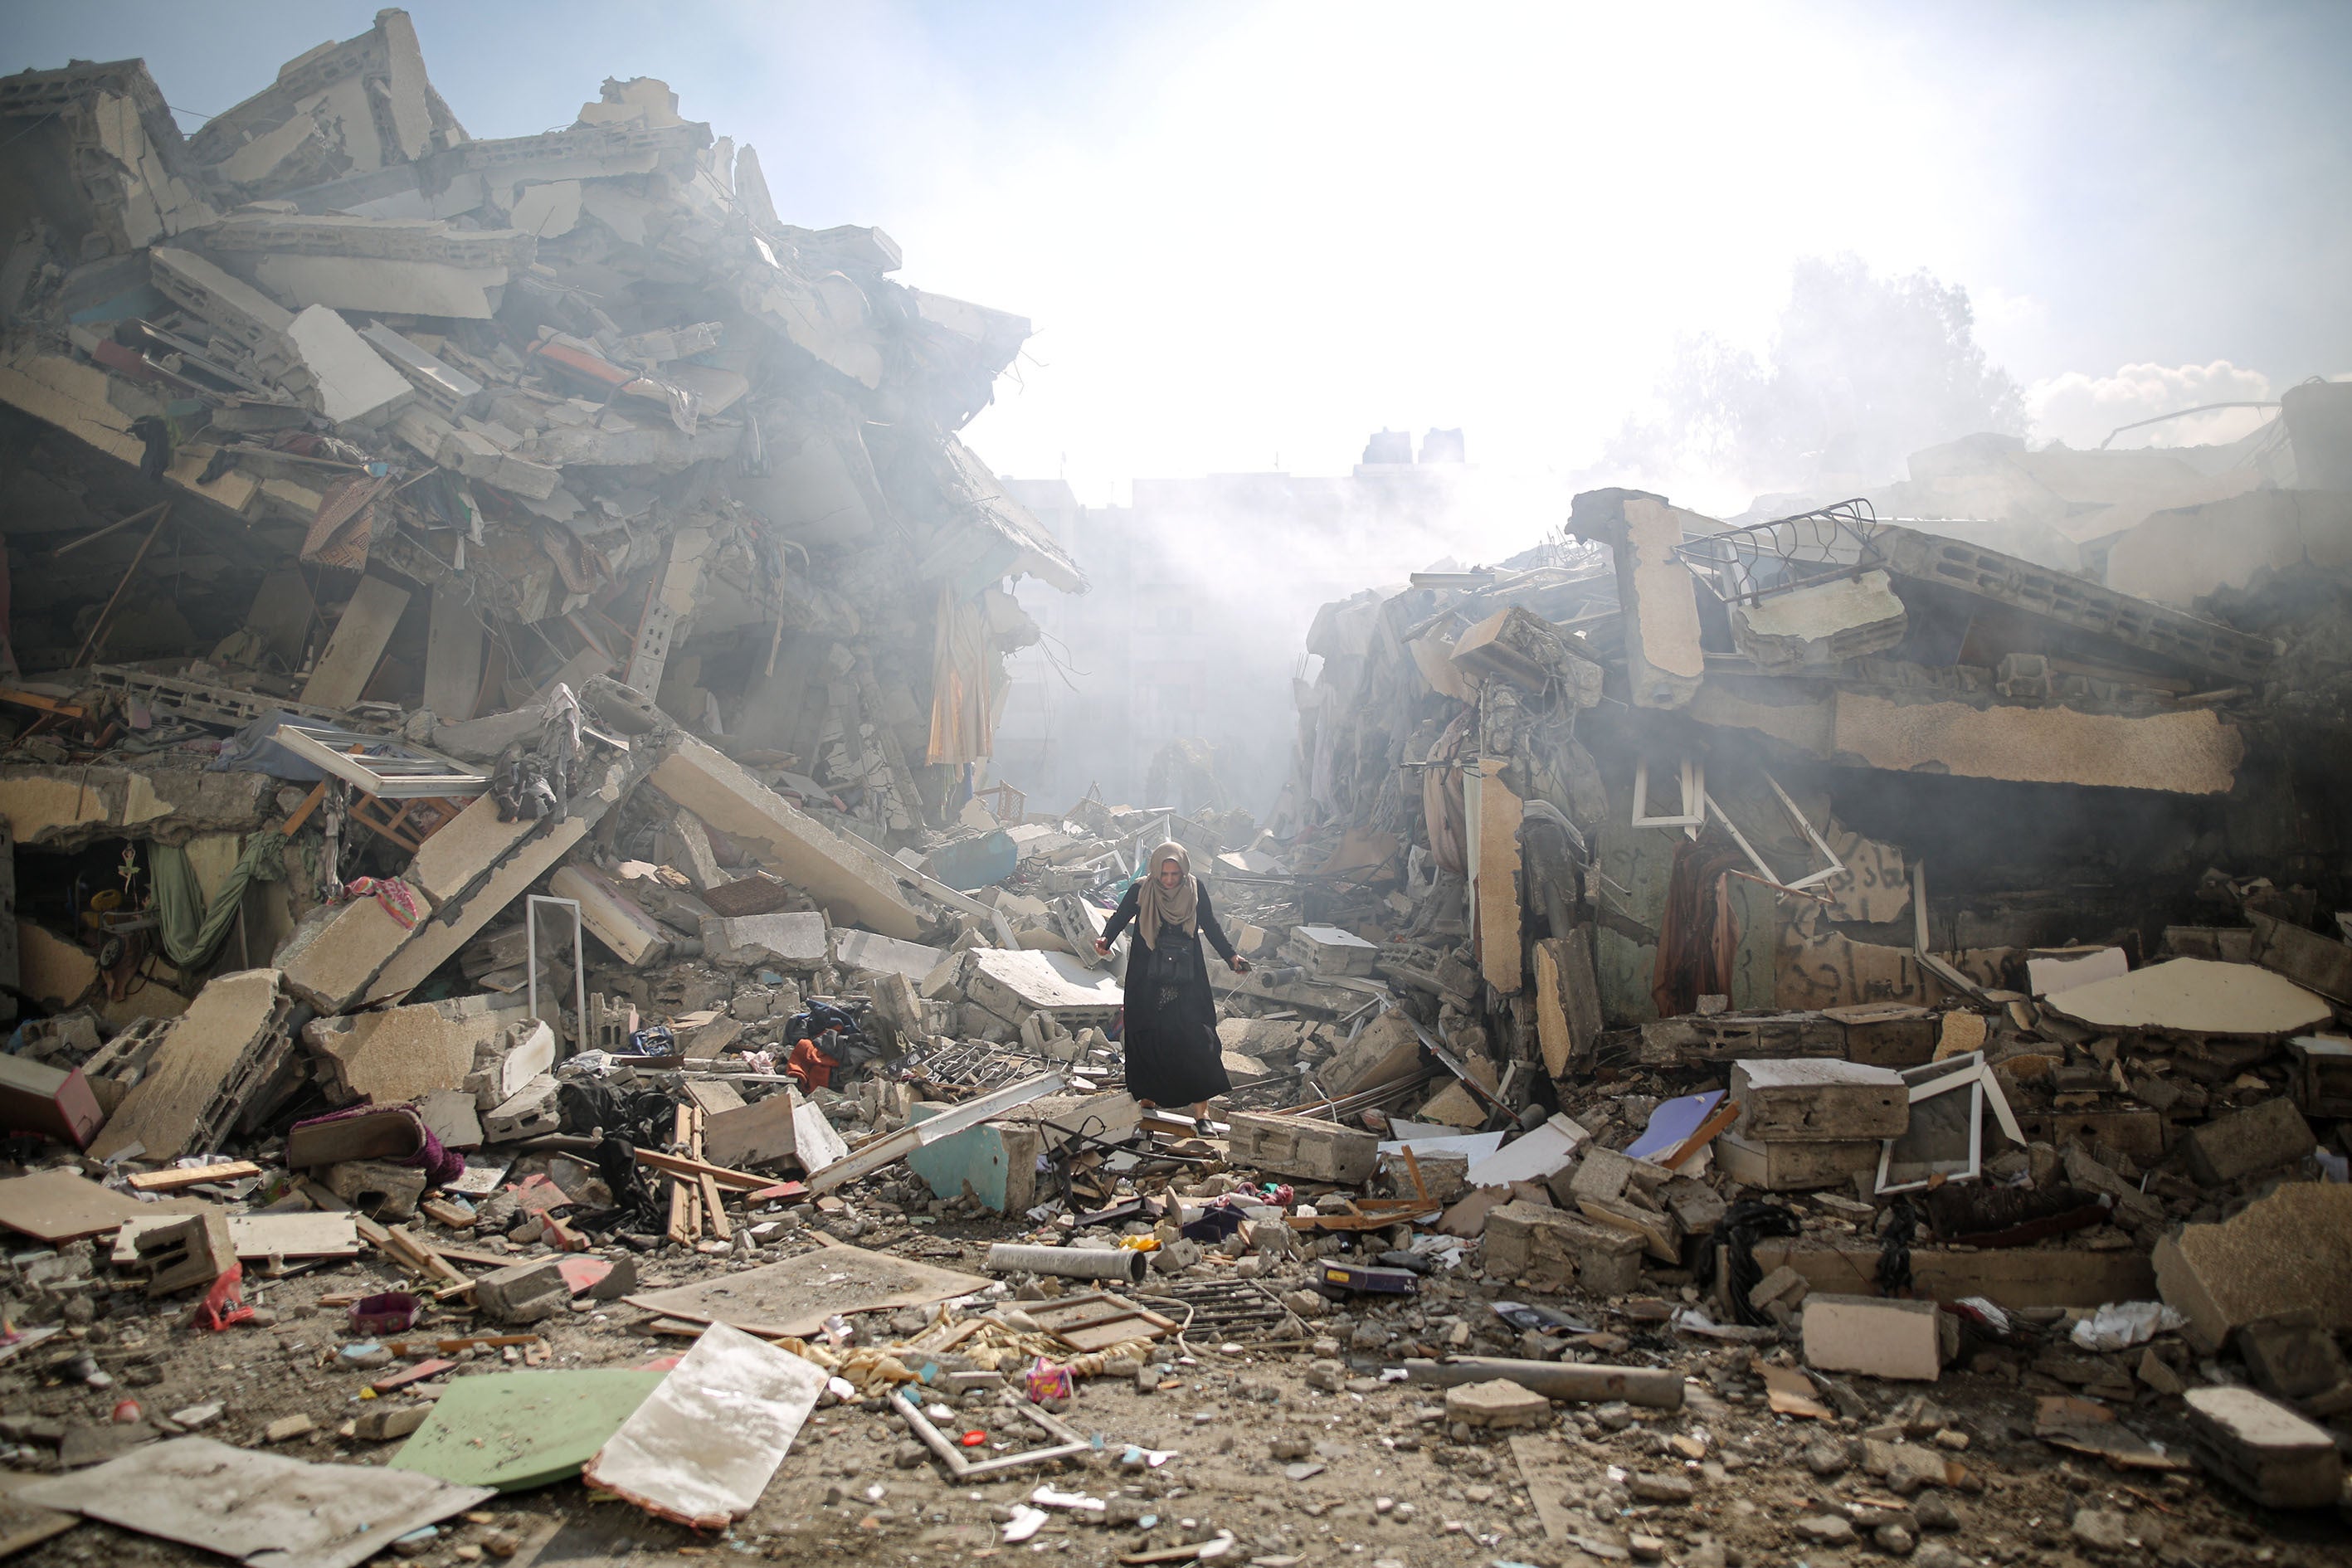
(2196, 996)
(795, 846)
(212, 1059)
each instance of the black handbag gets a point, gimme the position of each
(1171, 962)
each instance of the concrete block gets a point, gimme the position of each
(1783, 1285)
(1785, 1167)
(1818, 1101)
(2289, 1250)
(528, 1113)
(1327, 951)
(1886, 1034)
(1556, 1250)
(875, 954)
(2260, 1138)
(522, 1292)
(612, 917)
(2263, 1449)
(186, 1253)
(1603, 1174)
(380, 1424)
(801, 940)
(1302, 1146)
(1875, 1337)
(1496, 1404)
(1384, 1049)
(350, 383)
(2290, 1355)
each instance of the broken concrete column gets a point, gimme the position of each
(1658, 596)
(788, 841)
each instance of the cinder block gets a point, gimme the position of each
(1818, 1101)
(2264, 1450)
(1784, 1284)
(1302, 1146)
(2260, 1137)
(186, 1253)
(1875, 1337)
(1327, 952)
(531, 1111)
(522, 1292)
(1603, 1174)
(1782, 1167)
(1556, 1250)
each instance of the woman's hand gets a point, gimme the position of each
(1240, 965)
(1102, 947)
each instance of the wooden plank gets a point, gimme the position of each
(1499, 958)
(357, 646)
(1551, 1010)
(685, 1226)
(453, 655)
(172, 1179)
(714, 1211)
(680, 1166)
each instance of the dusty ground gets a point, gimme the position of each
(1379, 1477)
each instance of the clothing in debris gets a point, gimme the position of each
(1171, 1037)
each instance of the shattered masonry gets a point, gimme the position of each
(1762, 1036)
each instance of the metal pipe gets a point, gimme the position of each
(1069, 1262)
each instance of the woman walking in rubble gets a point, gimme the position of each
(1171, 1033)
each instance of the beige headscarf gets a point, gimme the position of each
(1154, 903)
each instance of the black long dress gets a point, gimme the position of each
(1172, 1055)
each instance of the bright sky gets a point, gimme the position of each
(1252, 234)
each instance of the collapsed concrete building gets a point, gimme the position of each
(499, 636)
(333, 429)
(1925, 756)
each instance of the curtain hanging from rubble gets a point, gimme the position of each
(192, 931)
(960, 699)
(1700, 929)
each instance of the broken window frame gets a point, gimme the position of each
(1950, 1075)
(395, 770)
(1836, 867)
(579, 966)
(1693, 789)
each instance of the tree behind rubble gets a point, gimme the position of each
(1864, 370)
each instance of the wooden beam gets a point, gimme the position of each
(680, 1166)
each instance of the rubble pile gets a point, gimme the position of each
(1760, 1039)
